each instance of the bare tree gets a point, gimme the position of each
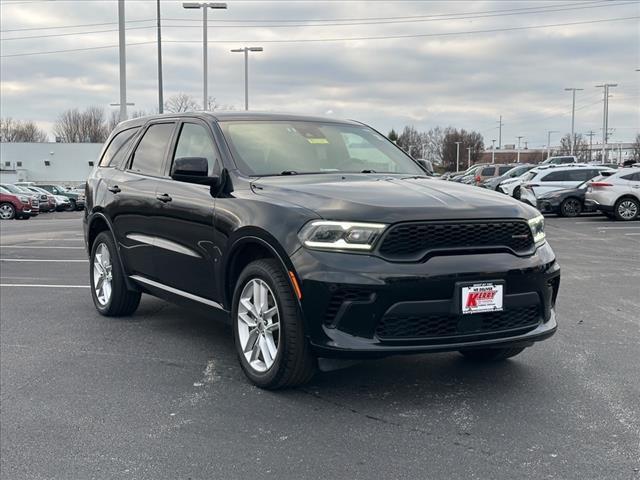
(580, 147)
(635, 152)
(410, 141)
(473, 140)
(20, 131)
(433, 141)
(74, 126)
(181, 102)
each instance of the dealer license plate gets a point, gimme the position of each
(482, 297)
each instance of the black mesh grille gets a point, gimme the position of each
(342, 295)
(416, 239)
(429, 326)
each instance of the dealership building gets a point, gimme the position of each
(65, 163)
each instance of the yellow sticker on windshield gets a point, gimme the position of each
(317, 140)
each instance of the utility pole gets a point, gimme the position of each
(573, 115)
(605, 117)
(246, 51)
(458, 156)
(469, 157)
(549, 141)
(493, 151)
(500, 124)
(123, 62)
(519, 138)
(160, 95)
(590, 135)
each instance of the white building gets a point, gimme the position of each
(65, 163)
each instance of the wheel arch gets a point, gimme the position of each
(98, 223)
(253, 244)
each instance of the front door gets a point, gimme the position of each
(184, 227)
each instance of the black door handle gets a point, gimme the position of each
(164, 197)
(114, 189)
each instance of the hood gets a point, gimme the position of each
(389, 198)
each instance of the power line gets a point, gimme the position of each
(454, 16)
(347, 39)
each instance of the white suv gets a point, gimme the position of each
(548, 178)
(617, 195)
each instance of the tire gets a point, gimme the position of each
(293, 363)
(516, 193)
(626, 209)
(72, 206)
(7, 211)
(570, 207)
(120, 301)
(491, 354)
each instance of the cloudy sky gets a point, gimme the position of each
(387, 63)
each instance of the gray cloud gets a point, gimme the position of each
(465, 80)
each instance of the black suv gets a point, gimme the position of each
(317, 238)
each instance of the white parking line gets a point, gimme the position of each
(38, 260)
(40, 247)
(631, 234)
(618, 228)
(41, 286)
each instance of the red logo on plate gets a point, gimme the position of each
(480, 297)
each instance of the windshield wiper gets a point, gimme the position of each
(289, 172)
(367, 171)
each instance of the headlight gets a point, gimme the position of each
(323, 234)
(24, 199)
(537, 229)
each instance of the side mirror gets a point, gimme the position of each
(193, 170)
(426, 165)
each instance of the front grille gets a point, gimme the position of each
(412, 240)
(342, 295)
(398, 327)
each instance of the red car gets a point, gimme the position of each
(14, 205)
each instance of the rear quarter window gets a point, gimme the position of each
(115, 152)
(487, 172)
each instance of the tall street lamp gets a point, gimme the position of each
(549, 141)
(493, 151)
(469, 157)
(458, 156)
(246, 51)
(519, 138)
(573, 115)
(204, 6)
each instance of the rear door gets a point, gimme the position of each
(184, 225)
(554, 180)
(133, 206)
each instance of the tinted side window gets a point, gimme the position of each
(195, 141)
(487, 172)
(631, 176)
(117, 148)
(149, 155)
(503, 170)
(556, 177)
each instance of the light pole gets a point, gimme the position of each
(123, 62)
(500, 124)
(605, 117)
(549, 141)
(493, 151)
(573, 114)
(204, 6)
(160, 96)
(519, 138)
(458, 156)
(469, 157)
(246, 51)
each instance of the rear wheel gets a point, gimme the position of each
(268, 330)
(491, 354)
(108, 288)
(7, 211)
(627, 209)
(72, 206)
(571, 207)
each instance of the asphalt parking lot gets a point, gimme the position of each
(161, 396)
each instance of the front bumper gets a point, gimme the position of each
(349, 300)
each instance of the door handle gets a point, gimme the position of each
(114, 189)
(164, 197)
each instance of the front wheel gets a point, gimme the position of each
(571, 207)
(108, 288)
(268, 330)
(72, 206)
(627, 209)
(491, 354)
(7, 211)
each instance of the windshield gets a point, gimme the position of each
(528, 176)
(12, 188)
(517, 171)
(297, 147)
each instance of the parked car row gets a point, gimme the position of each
(567, 189)
(22, 200)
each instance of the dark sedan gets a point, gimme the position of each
(568, 202)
